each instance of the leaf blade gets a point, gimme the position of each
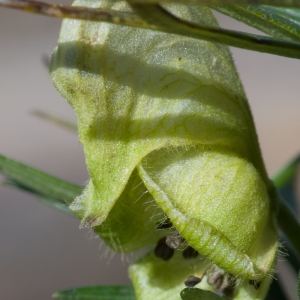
(39, 181)
(97, 293)
(198, 294)
(265, 19)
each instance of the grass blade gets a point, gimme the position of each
(163, 20)
(265, 19)
(55, 120)
(38, 181)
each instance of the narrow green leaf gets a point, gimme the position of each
(108, 292)
(55, 120)
(292, 3)
(52, 202)
(64, 11)
(265, 19)
(292, 258)
(198, 294)
(38, 181)
(285, 182)
(276, 292)
(299, 285)
(292, 14)
(180, 27)
(163, 20)
(287, 173)
(290, 226)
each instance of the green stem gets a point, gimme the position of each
(290, 226)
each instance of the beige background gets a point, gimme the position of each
(42, 250)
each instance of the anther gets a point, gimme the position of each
(190, 252)
(162, 250)
(192, 281)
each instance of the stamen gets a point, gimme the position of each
(255, 283)
(192, 281)
(176, 241)
(166, 224)
(190, 252)
(162, 250)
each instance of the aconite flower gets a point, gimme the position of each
(172, 154)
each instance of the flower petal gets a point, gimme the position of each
(154, 278)
(218, 203)
(131, 224)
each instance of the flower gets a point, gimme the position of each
(168, 136)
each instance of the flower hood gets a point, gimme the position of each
(167, 134)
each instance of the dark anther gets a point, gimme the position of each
(190, 252)
(175, 241)
(255, 283)
(167, 224)
(162, 250)
(224, 283)
(228, 291)
(215, 279)
(192, 281)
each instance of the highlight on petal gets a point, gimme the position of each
(135, 91)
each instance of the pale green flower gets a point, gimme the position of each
(167, 133)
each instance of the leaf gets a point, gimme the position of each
(299, 284)
(168, 22)
(228, 37)
(108, 292)
(38, 181)
(257, 2)
(119, 231)
(52, 202)
(276, 292)
(288, 172)
(55, 120)
(198, 294)
(285, 182)
(292, 14)
(265, 19)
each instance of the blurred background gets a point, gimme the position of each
(43, 250)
